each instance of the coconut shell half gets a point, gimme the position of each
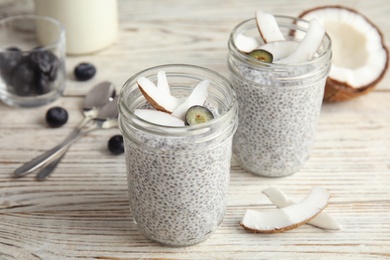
(355, 79)
(336, 91)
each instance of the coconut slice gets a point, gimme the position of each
(280, 49)
(268, 27)
(158, 117)
(290, 217)
(196, 98)
(308, 46)
(162, 83)
(156, 97)
(281, 200)
(245, 43)
(359, 55)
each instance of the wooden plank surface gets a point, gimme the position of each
(82, 211)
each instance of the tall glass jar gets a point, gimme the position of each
(178, 176)
(279, 104)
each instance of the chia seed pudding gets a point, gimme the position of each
(178, 176)
(279, 106)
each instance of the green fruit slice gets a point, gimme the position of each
(197, 115)
(261, 55)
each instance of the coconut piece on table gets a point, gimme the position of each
(359, 55)
(287, 218)
(281, 200)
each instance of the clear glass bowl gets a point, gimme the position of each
(32, 60)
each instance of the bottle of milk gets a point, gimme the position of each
(90, 25)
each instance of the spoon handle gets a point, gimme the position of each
(52, 162)
(52, 153)
(49, 168)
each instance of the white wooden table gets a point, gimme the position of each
(81, 211)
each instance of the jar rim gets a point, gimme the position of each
(230, 110)
(294, 21)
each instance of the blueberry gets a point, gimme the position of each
(84, 71)
(23, 79)
(56, 116)
(115, 144)
(45, 62)
(197, 115)
(9, 60)
(42, 84)
(28, 75)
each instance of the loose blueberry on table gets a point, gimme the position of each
(84, 71)
(56, 116)
(115, 144)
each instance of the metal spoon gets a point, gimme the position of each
(106, 118)
(95, 98)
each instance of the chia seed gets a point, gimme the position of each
(277, 124)
(178, 196)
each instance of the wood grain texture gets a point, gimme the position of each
(82, 211)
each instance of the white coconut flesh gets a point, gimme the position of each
(158, 117)
(283, 51)
(280, 49)
(308, 46)
(162, 83)
(197, 97)
(281, 200)
(157, 98)
(170, 111)
(268, 27)
(245, 43)
(358, 54)
(289, 217)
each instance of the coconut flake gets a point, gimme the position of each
(245, 43)
(289, 217)
(162, 83)
(308, 46)
(280, 49)
(197, 97)
(158, 99)
(158, 117)
(268, 27)
(281, 200)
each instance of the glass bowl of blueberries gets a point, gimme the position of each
(32, 60)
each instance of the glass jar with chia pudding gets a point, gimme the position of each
(178, 175)
(279, 104)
